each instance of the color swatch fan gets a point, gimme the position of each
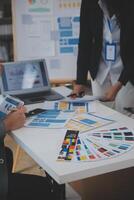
(104, 144)
(118, 134)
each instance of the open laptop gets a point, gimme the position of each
(28, 80)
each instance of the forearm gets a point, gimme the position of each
(112, 92)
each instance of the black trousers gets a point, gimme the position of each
(25, 186)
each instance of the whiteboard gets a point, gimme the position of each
(48, 29)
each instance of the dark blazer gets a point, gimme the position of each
(90, 42)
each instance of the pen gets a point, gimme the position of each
(13, 109)
(75, 95)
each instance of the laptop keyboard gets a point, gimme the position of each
(48, 96)
(52, 96)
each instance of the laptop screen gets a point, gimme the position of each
(24, 77)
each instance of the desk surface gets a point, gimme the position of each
(43, 146)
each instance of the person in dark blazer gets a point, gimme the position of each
(106, 44)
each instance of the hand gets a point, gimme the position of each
(78, 91)
(112, 92)
(15, 119)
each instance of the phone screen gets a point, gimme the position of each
(130, 109)
(34, 112)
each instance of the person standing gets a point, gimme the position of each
(105, 50)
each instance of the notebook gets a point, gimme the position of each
(28, 80)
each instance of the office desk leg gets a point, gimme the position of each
(57, 189)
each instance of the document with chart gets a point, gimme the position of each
(49, 119)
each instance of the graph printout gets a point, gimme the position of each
(49, 119)
(8, 104)
(92, 120)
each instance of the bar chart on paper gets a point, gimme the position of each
(69, 4)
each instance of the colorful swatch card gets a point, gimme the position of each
(88, 149)
(100, 151)
(118, 147)
(49, 119)
(104, 144)
(80, 153)
(8, 104)
(92, 151)
(83, 152)
(114, 148)
(68, 146)
(119, 134)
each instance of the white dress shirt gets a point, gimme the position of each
(111, 34)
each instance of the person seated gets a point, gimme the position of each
(21, 186)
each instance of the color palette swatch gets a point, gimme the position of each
(88, 149)
(104, 144)
(91, 147)
(119, 134)
(68, 146)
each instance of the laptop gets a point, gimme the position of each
(28, 80)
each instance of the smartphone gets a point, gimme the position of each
(74, 95)
(34, 112)
(130, 109)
